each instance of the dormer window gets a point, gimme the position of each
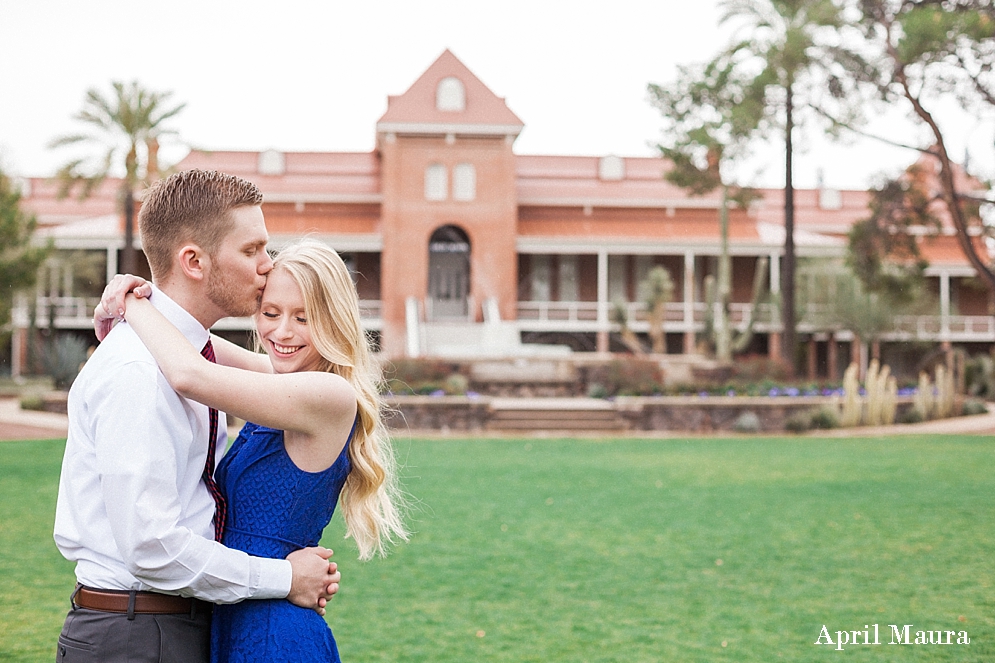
(272, 162)
(450, 95)
(830, 199)
(611, 168)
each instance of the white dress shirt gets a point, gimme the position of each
(133, 512)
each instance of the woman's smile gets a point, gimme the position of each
(282, 324)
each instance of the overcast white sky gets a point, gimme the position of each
(314, 75)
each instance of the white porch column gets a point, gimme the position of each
(20, 322)
(774, 343)
(689, 290)
(945, 306)
(111, 262)
(412, 327)
(603, 289)
(603, 327)
(689, 303)
(775, 273)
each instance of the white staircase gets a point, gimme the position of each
(462, 339)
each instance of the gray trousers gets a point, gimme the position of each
(90, 636)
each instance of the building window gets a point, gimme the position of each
(464, 182)
(618, 278)
(541, 290)
(569, 290)
(643, 266)
(450, 95)
(436, 182)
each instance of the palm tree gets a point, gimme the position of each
(783, 38)
(129, 123)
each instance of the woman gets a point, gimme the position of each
(315, 431)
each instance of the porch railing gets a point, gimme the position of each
(583, 316)
(636, 312)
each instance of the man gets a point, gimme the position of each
(138, 510)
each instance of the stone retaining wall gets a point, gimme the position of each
(691, 414)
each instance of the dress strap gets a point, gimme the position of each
(352, 433)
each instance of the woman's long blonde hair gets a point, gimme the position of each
(371, 500)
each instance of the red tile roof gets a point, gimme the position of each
(43, 201)
(307, 175)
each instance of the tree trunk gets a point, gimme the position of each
(657, 335)
(790, 338)
(129, 264)
(152, 161)
(723, 334)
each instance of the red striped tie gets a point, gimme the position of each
(220, 505)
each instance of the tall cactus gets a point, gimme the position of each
(620, 316)
(657, 291)
(718, 331)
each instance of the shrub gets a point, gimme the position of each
(979, 374)
(974, 406)
(824, 418)
(456, 384)
(634, 377)
(755, 368)
(32, 402)
(747, 422)
(628, 377)
(63, 359)
(418, 376)
(799, 422)
(911, 416)
(597, 390)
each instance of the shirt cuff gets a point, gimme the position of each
(275, 576)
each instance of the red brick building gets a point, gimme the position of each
(462, 247)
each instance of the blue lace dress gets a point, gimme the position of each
(274, 508)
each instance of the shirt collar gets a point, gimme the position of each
(176, 314)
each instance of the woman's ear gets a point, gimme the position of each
(193, 262)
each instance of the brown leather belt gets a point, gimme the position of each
(143, 603)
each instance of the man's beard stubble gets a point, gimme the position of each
(224, 294)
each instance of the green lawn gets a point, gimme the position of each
(627, 550)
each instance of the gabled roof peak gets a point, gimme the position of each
(448, 99)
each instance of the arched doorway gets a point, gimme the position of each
(448, 273)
